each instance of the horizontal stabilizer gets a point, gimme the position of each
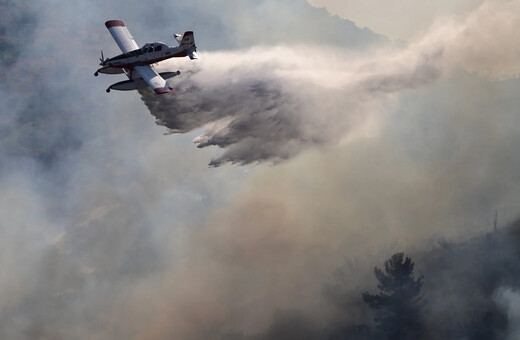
(178, 37)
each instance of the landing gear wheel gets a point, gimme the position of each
(108, 90)
(178, 72)
(96, 74)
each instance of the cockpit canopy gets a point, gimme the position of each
(148, 48)
(153, 47)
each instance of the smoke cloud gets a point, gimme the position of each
(270, 103)
(397, 19)
(262, 104)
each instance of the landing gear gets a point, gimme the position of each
(96, 74)
(108, 90)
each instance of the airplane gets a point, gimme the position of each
(140, 60)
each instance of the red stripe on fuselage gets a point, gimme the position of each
(176, 55)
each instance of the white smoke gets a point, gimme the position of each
(270, 103)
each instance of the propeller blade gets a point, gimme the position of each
(102, 57)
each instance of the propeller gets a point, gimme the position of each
(102, 59)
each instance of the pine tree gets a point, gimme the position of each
(399, 302)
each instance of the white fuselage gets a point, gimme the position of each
(148, 54)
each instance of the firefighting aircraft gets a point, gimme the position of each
(140, 60)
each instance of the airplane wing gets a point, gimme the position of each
(154, 80)
(121, 35)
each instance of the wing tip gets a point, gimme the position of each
(163, 90)
(112, 23)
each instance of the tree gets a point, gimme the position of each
(399, 303)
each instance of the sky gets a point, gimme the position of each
(307, 135)
(401, 20)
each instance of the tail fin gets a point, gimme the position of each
(188, 40)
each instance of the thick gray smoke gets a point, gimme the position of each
(112, 230)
